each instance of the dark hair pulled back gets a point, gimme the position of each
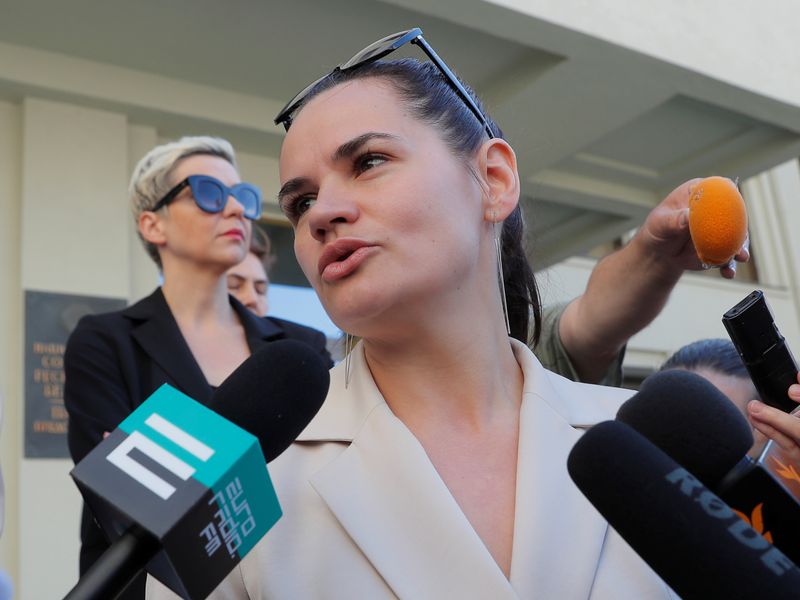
(718, 355)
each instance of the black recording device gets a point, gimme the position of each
(763, 349)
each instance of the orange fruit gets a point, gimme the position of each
(717, 220)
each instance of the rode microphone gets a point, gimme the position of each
(688, 418)
(689, 536)
(692, 421)
(184, 492)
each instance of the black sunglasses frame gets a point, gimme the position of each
(378, 50)
(193, 180)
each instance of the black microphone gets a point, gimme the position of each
(699, 427)
(689, 536)
(182, 491)
(692, 421)
(274, 394)
(763, 349)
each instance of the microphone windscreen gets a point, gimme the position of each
(692, 421)
(690, 537)
(274, 394)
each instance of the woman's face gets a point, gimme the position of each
(218, 239)
(248, 283)
(386, 218)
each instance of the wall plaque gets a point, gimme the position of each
(49, 319)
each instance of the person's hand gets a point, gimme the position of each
(777, 425)
(665, 235)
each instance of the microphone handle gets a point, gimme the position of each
(116, 567)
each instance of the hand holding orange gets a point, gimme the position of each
(717, 220)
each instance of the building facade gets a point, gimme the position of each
(609, 105)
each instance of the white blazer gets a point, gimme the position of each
(366, 514)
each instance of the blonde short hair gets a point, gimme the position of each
(151, 177)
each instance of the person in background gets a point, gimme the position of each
(194, 217)
(248, 282)
(717, 361)
(585, 339)
(776, 425)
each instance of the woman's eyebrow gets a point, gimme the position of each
(351, 147)
(291, 186)
(345, 151)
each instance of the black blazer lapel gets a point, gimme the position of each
(157, 332)
(258, 330)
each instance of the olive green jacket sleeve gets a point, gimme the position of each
(551, 352)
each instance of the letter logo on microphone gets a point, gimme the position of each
(138, 442)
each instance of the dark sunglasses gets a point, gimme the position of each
(211, 195)
(378, 50)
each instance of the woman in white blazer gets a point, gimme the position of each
(437, 466)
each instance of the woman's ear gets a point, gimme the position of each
(151, 228)
(498, 165)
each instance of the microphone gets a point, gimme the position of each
(274, 394)
(689, 536)
(687, 417)
(699, 427)
(182, 491)
(763, 349)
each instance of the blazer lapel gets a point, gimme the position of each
(387, 495)
(159, 336)
(258, 330)
(558, 535)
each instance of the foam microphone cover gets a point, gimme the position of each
(691, 421)
(690, 537)
(274, 393)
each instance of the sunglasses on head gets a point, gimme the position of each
(378, 50)
(211, 195)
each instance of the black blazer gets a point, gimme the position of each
(114, 361)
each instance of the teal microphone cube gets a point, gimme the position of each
(193, 480)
